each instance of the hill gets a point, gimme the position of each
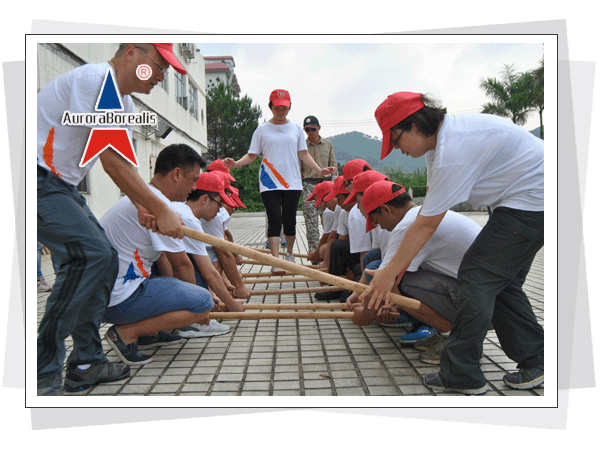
(354, 145)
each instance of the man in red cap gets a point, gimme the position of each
(141, 305)
(328, 208)
(489, 161)
(431, 277)
(68, 228)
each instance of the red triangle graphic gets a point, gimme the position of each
(115, 138)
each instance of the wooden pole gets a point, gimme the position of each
(297, 255)
(309, 290)
(261, 315)
(277, 280)
(251, 262)
(343, 283)
(268, 274)
(292, 306)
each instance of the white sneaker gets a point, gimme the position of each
(196, 330)
(290, 257)
(43, 286)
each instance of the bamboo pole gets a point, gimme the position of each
(294, 268)
(297, 255)
(252, 262)
(268, 274)
(277, 280)
(309, 290)
(292, 306)
(261, 315)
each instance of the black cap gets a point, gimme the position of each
(310, 121)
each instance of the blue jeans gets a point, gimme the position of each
(157, 296)
(88, 269)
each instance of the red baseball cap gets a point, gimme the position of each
(338, 188)
(215, 182)
(236, 196)
(320, 191)
(362, 181)
(376, 195)
(218, 165)
(166, 51)
(354, 167)
(393, 110)
(280, 97)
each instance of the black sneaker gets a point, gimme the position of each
(525, 378)
(434, 381)
(331, 295)
(80, 380)
(128, 353)
(161, 339)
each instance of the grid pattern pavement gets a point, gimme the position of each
(291, 357)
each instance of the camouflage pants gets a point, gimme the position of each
(311, 214)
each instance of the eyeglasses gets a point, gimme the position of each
(161, 68)
(395, 143)
(309, 129)
(218, 203)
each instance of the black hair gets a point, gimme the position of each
(197, 193)
(271, 105)
(397, 202)
(427, 119)
(177, 155)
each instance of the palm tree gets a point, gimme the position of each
(534, 80)
(509, 96)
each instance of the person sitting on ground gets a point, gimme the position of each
(318, 194)
(141, 307)
(230, 210)
(339, 260)
(204, 203)
(431, 275)
(224, 260)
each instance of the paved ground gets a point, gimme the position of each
(299, 357)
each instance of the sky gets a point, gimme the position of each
(342, 83)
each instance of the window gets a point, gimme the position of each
(165, 83)
(181, 91)
(193, 102)
(84, 185)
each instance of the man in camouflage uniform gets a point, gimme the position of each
(322, 152)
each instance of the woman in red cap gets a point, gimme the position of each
(280, 142)
(485, 160)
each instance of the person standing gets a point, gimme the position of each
(280, 142)
(322, 152)
(66, 225)
(486, 160)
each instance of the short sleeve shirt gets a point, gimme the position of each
(192, 246)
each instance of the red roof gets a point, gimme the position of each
(216, 67)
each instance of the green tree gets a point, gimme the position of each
(230, 122)
(510, 96)
(417, 179)
(246, 180)
(534, 82)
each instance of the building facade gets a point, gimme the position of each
(221, 68)
(179, 102)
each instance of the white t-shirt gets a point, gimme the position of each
(193, 246)
(360, 240)
(444, 251)
(60, 147)
(486, 160)
(379, 237)
(215, 226)
(279, 146)
(138, 247)
(328, 218)
(336, 218)
(342, 226)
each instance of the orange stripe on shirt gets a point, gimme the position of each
(277, 174)
(49, 153)
(140, 264)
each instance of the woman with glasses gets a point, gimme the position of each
(280, 142)
(485, 160)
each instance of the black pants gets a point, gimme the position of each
(490, 280)
(340, 259)
(281, 207)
